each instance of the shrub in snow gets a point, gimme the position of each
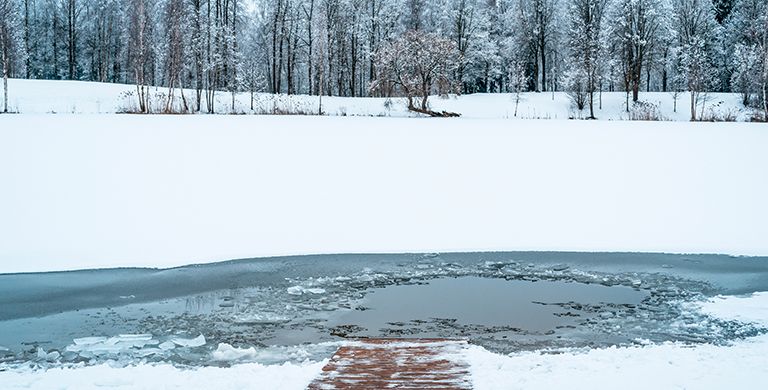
(644, 111)
(416, 65)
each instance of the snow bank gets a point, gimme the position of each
(90, 191)
(743, 365)
(164, 376)
(45, 96)
(752, 308)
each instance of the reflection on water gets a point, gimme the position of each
(529, 306)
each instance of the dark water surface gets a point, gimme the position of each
(505, 301)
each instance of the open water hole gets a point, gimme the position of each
(530, 307)
(290, 308)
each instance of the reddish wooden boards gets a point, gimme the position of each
(371, 364)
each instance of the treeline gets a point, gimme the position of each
(329, 46)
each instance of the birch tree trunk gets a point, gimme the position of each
(5, 79)
(693, 106)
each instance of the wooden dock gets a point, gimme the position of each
(370, 364)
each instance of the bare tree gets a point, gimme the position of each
(638, 23)
(73, 12)
(415, 63)
(198, 50)
(175, 19)
(518, 80)
(463, 31)
(11, 45)
(139, 49)
(536, 27)
(585, 41)
(764, 49)
(695, 22)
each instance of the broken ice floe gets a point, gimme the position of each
(127, 345)
(300, 290)
(191, 343)
(228, 353)
(297, 309)
(47, 356)
(88, 347)
(274, 354)
(260, 318)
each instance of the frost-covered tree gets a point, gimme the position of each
(102, 44)
(518, 80)
(722, 9)
(748, 28)
(464, 26)
(483, 72)
(637, 26)
(252, 75)
(481, 67)
(536, 28)
(301, 42)
(140, 49)
(176, 17)
(586, 53)
(695, 24)
(11, 43)
(416, 64)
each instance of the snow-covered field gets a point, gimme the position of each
(62, 97)
(86, 191)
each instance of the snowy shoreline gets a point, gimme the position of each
(78, 97)
(741, 364)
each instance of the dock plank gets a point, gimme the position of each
(396, 364)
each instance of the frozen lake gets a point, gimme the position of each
(279, 306)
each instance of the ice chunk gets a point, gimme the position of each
(299, 290)
(89, 340)
(132, 340)
(3, 349)
(195, 342)
(226, 352)
(93, 346)
(136, 337)
(148, 352)
(296, 290)
(47, 356)
(167, 346)
(261, 318)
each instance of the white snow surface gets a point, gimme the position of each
(244, 376)
(742, 365)
(751, 308)
(76, 97)
(91, 191)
